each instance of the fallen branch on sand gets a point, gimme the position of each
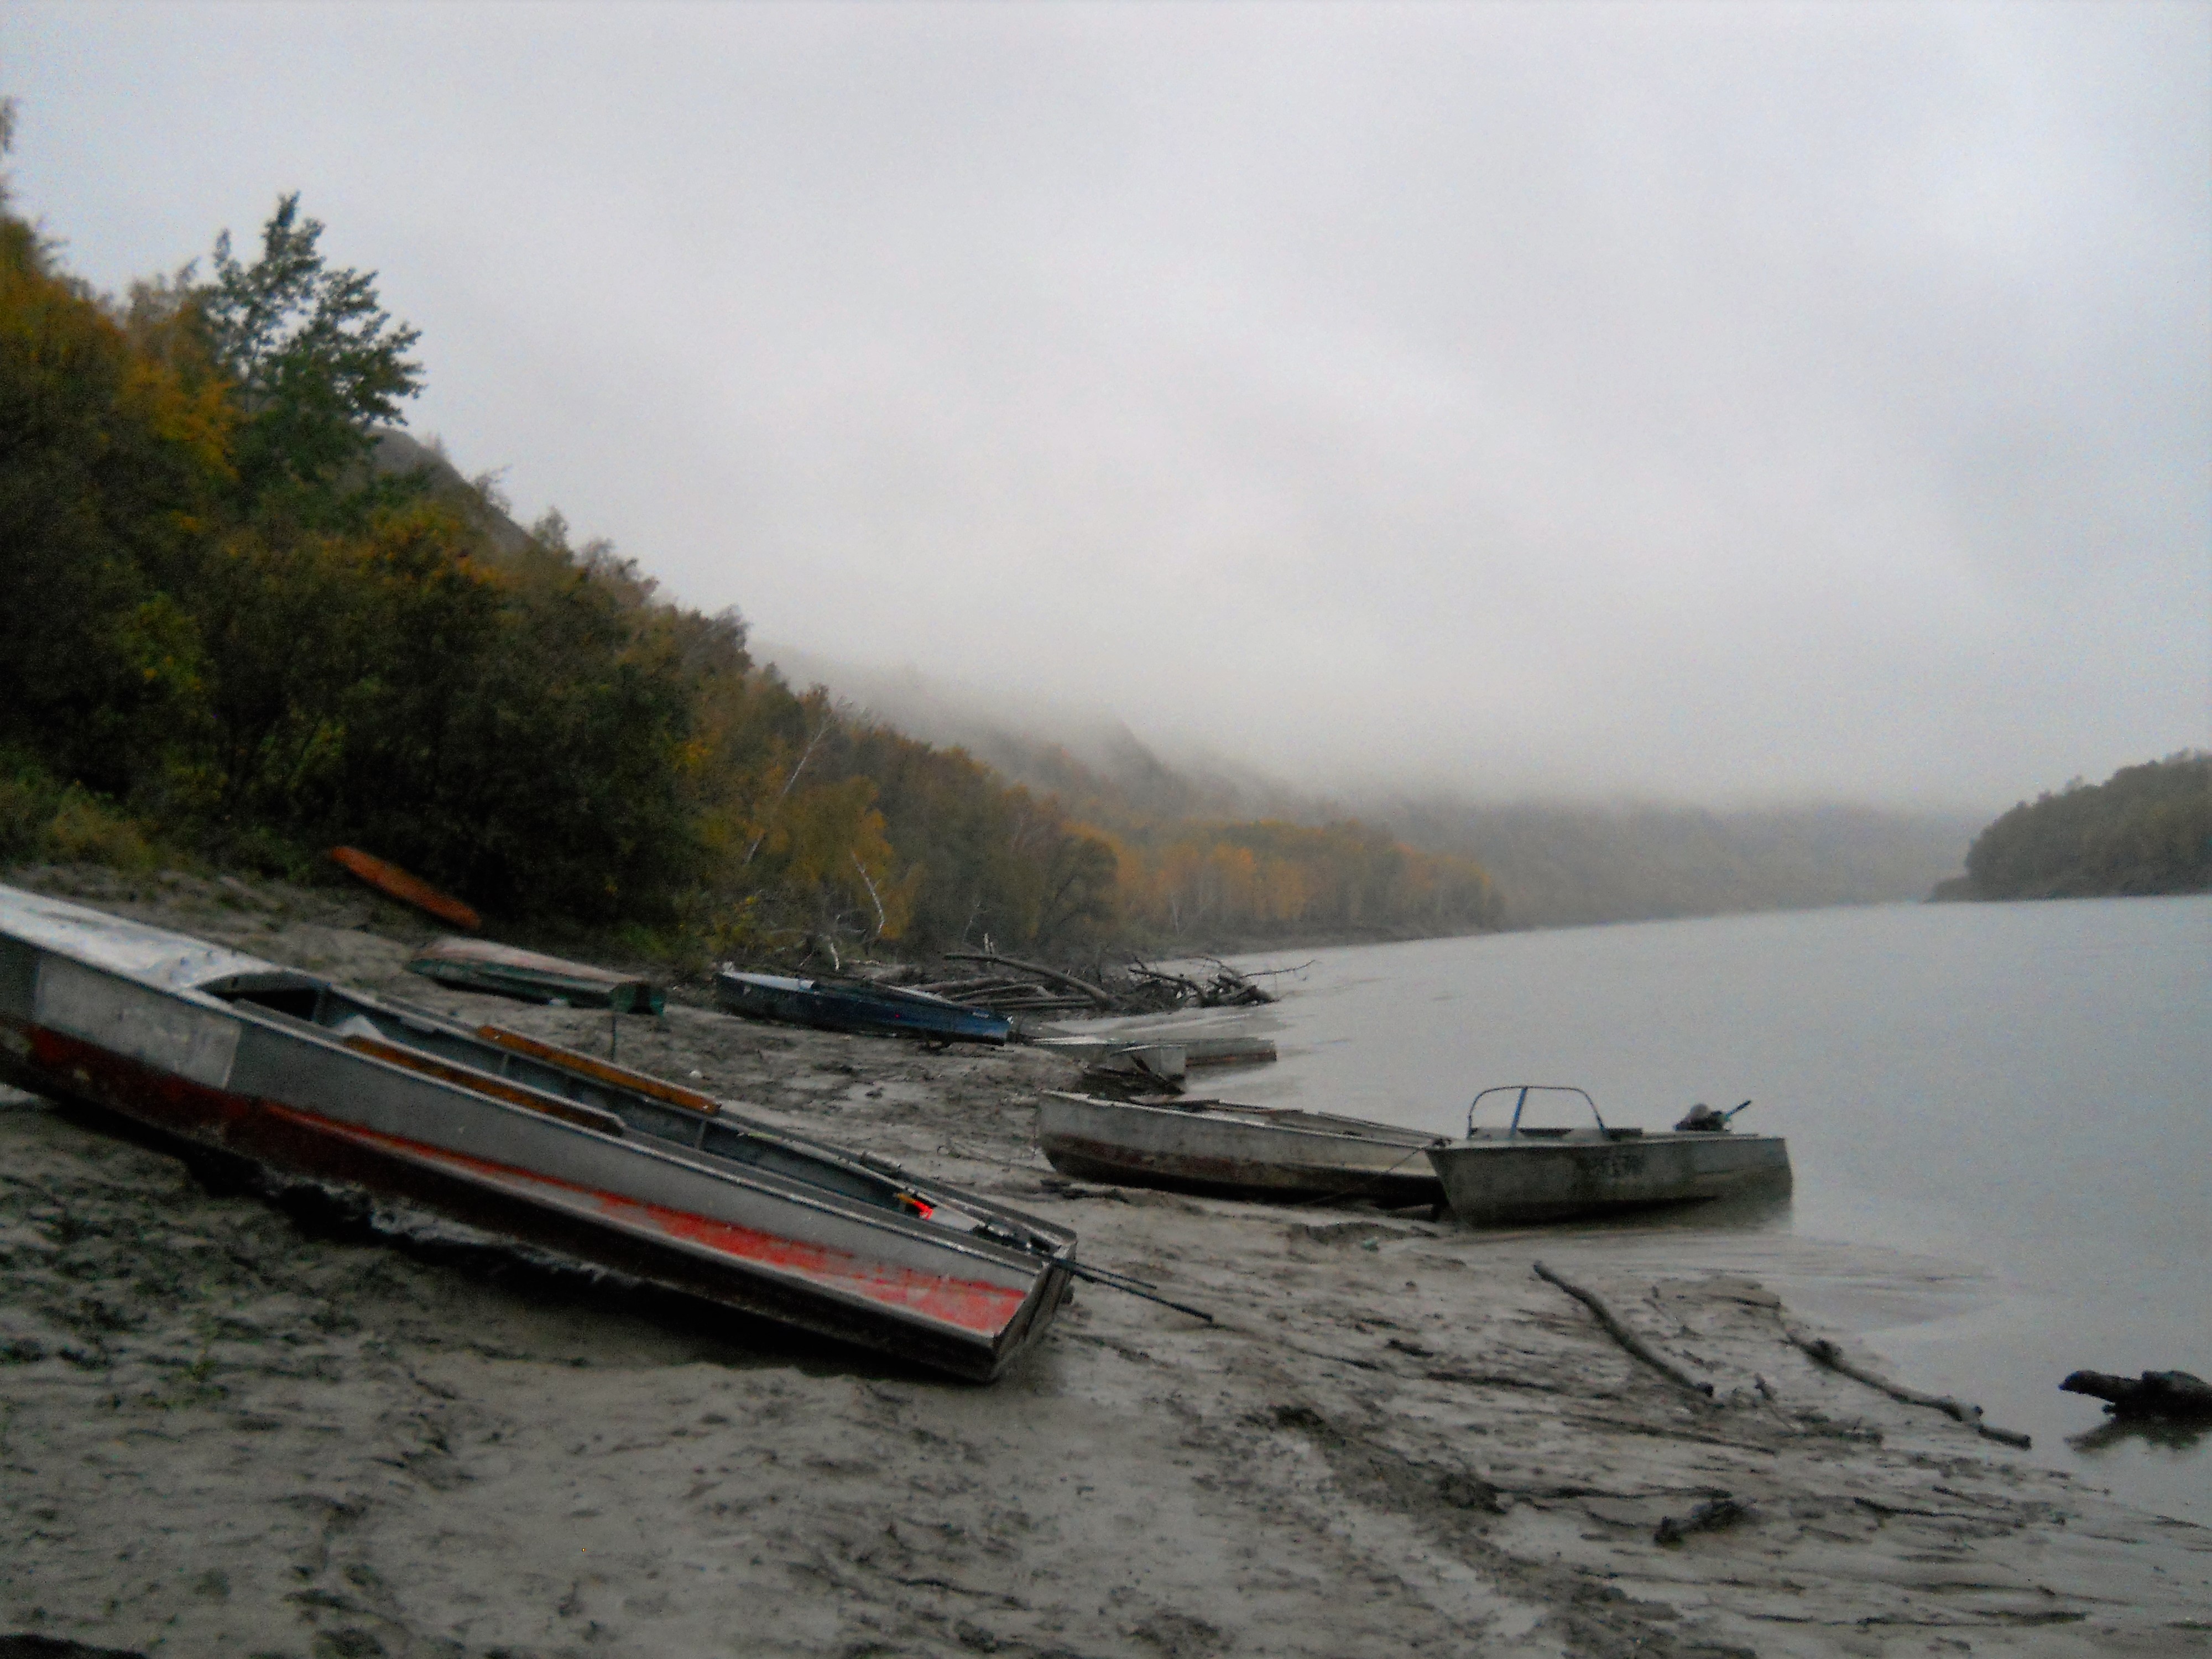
(1822, 1352)
(1636, 1346)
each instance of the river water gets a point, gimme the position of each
(2000, 1118)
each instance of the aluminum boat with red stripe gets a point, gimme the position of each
(557, 1150)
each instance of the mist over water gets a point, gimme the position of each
(1996, 1116)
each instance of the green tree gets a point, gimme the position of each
(2145, 829)
(109, 459)
(317, 361)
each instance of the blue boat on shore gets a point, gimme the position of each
(844, 1005)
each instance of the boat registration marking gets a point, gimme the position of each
(972, 1305)
(132, 1020)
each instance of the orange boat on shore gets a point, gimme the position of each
(395, 882)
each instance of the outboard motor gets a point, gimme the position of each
(1703, 1120)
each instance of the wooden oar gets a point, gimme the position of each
(483, 1082)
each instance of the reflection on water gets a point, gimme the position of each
(1747, 1212)
(2122, 1433)
(1995, 1115)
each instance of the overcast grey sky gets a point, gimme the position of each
(1745, 402)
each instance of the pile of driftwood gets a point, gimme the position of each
(1006, 985)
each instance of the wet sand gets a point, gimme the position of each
(231, 1426)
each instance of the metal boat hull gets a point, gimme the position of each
(1197, 1051)
(1510, 1179)
(1233, 1152)
(578, 1158)
(472, 964)
(866, 1012)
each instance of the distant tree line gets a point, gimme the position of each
(2145, 829)
(241, 617)
(1249, 880)
(1542, 863)
(1564, 865)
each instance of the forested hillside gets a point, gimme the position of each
(243, 623)
(1552, 864)
(1203, 850)
(2145, 829)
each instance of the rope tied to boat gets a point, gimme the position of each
(1364, 1183)
(1132, 1286)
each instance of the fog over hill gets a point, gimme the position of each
(1558, 863)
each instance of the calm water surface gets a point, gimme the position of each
(1999, 1117)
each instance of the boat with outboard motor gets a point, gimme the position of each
(1518, 1173)
(1230, 1151)
(856, 1005)
(574, 1155)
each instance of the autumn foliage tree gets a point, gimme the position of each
(1249, 880)
(113, 452)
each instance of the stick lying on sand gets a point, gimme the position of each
(1825, 1352)
(1627, 1339)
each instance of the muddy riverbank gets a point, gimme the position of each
(232, 1425)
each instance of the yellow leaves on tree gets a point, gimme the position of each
(1266, 877)
(829, 839)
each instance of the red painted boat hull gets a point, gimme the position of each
(524, 1142)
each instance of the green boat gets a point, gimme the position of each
(475, 964)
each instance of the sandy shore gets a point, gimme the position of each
(231, 1426)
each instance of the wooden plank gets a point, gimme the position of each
(483, 1082)
(602, 1071)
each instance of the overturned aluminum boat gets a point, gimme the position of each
(1502, 1176)
(856, 1005)
(575, 1156)
(1237, 1152)
(476, 964)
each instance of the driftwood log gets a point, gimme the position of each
(1636, 1346)
(1099, 994)
(1822, 1352)
(1132, 1071)
(1716, 1515)
(1229, 988)
(2169, 1396)
(1136, 989)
